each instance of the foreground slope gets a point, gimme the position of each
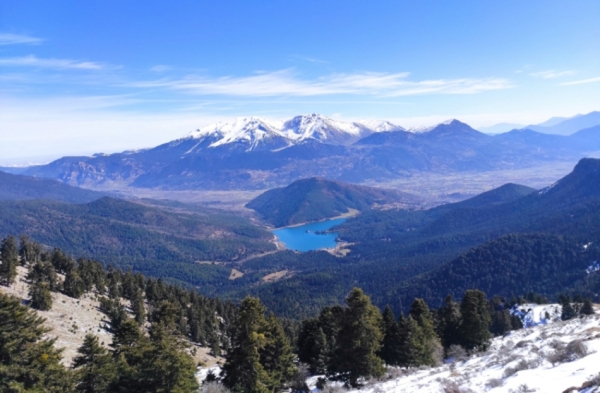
(523, 361)
(315, 199)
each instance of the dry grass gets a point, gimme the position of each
(235, 274)
(71, 319)
(276, 276)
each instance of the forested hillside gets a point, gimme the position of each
(316, 199)
(392, 248)
(18, 187)
(154, 241)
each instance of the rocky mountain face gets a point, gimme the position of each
(252, 153)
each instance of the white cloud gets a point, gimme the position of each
(43, 129)
(309, 59)
(12, 39)
(160, 68)
(581, 82)
(551, 74)
(33, 61)
(285, 83)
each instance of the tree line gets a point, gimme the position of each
(150, 348)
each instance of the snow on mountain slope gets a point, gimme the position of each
(546, 359)
(537, 314)
(255, 133)
(250, 131)
(324, 130)
(381, 125)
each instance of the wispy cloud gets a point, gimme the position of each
(309, 59)
(285, 83)
(551, 74)
(160, 68)
(581, 82)
(33, 61)
(13, 39)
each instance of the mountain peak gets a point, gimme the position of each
(381, 125)
(323, 129)
(247, 131)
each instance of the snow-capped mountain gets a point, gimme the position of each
(381, 126)
(324, 130)
(253, 133)
(424, 129)
(247, 133)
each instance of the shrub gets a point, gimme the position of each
(493, 383)
(333, 389)
(510, 371)
(577, 348)
(449, 386)
(522, 344)
(214, 387)
(457, 353)
(522, 389)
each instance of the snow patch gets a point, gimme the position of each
(513, 361)
(593, 268)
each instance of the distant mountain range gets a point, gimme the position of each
(316, 199)
(253, 153)
(554, 125)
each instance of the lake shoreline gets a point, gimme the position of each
(350, 213)
(308, 237)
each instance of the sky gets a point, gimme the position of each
(82, 77)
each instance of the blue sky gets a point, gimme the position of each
(78, 77)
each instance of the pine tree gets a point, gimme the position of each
(405, 351)
(276, 356)
(61, 262)
(9, 260)
(428, 349)
(43, 271)
(474, 326)
(312, 346)
(41, 298)
(28, 362)
(27, 250)
(359, 340)
(127, 335)
(568, 312)
(137, 306)
(242, 370)
(73, 285)
(114, 283)
(415, 347)
(587, 308)
(449, 320)
(94, 367)
(391, 350)
(330, 321)
(167, 368)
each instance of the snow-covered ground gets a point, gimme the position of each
(537, 358)
(518, 362)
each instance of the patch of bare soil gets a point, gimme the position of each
(277, 276)
(235, 274)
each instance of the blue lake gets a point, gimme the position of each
(304, 238)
